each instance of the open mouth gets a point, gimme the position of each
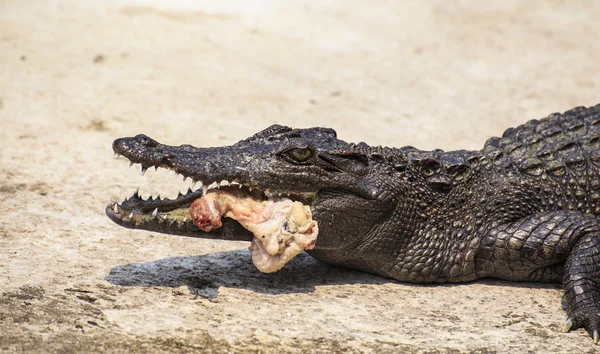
(278, 223)
(136, 210)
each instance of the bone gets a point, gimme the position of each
(282, 228)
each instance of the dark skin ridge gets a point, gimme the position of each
(525, 207)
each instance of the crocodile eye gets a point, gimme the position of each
(300, 155)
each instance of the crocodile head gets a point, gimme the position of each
(336, 179)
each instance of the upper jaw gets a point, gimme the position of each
(208, 167)
(199, 164)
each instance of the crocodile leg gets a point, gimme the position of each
(547, 247)
(582, 285)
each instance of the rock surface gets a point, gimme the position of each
(78, 74)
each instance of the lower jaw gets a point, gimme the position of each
(138, 211)
(173, 216)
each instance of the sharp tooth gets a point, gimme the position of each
(196, 185)
(116, 208)
(185, 219)
(224, 182)
(240, 185)
(130, 216)
(155, 212)
(204, 190)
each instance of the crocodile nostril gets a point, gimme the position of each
(145, 140)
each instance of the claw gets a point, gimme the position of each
(568, 325)
(596, 337)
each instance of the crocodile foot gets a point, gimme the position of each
(586, 317)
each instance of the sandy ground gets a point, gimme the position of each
(74, 75)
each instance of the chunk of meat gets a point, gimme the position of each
(282, 227)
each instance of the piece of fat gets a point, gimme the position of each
(282, 227)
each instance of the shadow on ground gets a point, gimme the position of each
(204, 274)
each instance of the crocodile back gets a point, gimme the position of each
(560, 153)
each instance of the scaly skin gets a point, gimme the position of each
(523, 208)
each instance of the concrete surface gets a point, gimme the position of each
(74, 75)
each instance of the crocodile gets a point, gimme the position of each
(525, 207)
